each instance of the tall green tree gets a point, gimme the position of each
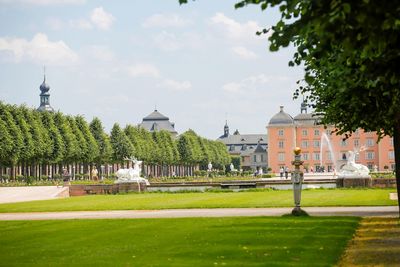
(102, 140)
(6, 144)
(121, 145)
(55, 138)
(38, 134)
(92, 150)
(135, 138)
(69, 140)
(27, 150)
(82, 148)
(15, 132)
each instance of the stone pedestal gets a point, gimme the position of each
(346, 182)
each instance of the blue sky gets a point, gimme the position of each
(199, 63)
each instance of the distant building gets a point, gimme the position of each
(156, 121)
(304, 131)
(45, 97)
(252, 148)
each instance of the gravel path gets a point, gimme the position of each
(389, 211)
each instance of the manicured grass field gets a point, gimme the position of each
(245, 241)
(244, 199)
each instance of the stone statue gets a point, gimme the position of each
(232, 168)
(209, 166)
(131, 174)
(353, 169)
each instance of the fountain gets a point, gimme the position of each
(350, 173)
(131, 175)
(325, 140)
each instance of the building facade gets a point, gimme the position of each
(323, 150)
(251, 148)
(156, 121)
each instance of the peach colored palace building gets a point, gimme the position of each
(286, 132)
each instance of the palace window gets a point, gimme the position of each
(391, 141)
(356, 143)
(316, 132)
(254, 158)
(316, 156)
(304, 156)
(280, 132)
(343, 143)
(370, 155)
(304, 144)
(317, 143)
(391, 154)
(370, 142)
(281, 156)
(304, 132)
(281, 144)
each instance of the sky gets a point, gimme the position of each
(200, 64)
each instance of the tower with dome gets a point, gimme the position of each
(45, 97)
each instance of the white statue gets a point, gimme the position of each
(353, 169)
(209, 166)
(232, 168)
(131, 174)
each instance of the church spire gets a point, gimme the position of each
(226, 129)
(44, 95)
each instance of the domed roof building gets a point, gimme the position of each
(281, 118)
(45, 97)
(156, 121)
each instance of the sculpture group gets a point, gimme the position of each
(352, 169)
(131, 174)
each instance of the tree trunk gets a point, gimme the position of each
(396, 143)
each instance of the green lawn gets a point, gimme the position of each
(244, 199)
(245, 241)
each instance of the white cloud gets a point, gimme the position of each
(101, 53)
(232, 87)
(43, 2)
(55, 24)
(101, 19)
(39, 50)
(167, 41)
(235, 30)
(144, 70)
(172, 42)
(82, 24)
(250, 83)
(244, 52)
(165, 21)
(176, 85)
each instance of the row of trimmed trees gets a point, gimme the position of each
(44, 144)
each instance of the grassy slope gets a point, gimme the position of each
(282, 198)
(257, 241)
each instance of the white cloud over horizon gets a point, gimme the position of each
(39, 50)
(165, 21)
(101, 19)
(44, 2)
(251, 83)
(243, 52)
(143, 70)
(176, 85)
(235, 30)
